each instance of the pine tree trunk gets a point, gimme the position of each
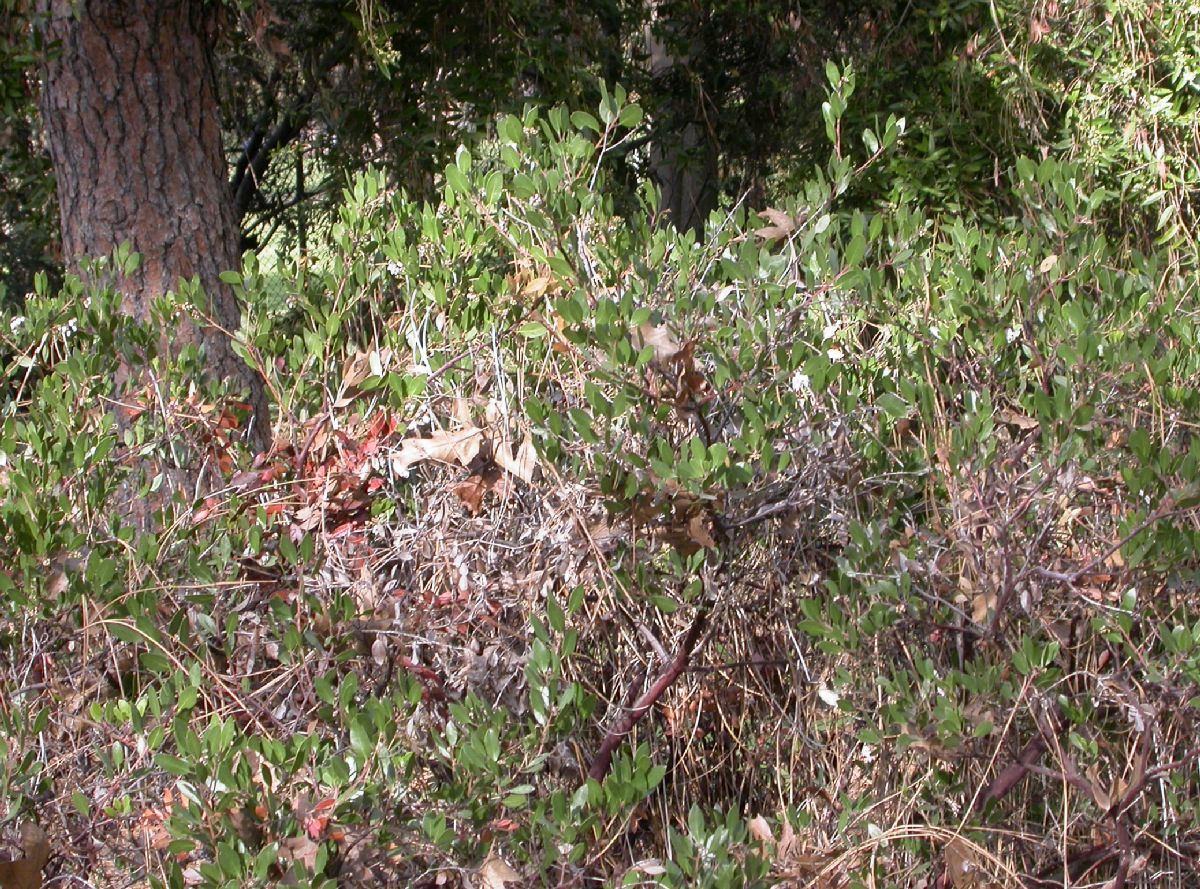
(130, 107)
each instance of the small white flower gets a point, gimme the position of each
(800, 381)
(835, 355)
(830, 331)
(17, 323)
(1011, 335)
(828, 696)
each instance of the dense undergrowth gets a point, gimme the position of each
(903, 504)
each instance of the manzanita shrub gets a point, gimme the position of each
(936, 477)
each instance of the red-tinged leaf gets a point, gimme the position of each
(345, 529)
(471, 493)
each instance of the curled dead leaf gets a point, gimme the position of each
(658, 338)
(760, 830)
(295, 851)
(520, 462)
(780, 225)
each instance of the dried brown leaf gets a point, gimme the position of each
(460, 446)
(699, 531)
(658, 338)
(298, 850)
(760, 830)
(471, 493)
(521, 463)
(26, 872)
(962, 865)
(496, 873)
(537, 287)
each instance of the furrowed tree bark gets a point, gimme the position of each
(130, 106)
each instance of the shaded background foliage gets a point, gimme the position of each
(28, 211)
(313, 91)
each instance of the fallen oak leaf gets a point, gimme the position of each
(26, 872)
(496, 873)
(461, 446)
(519, 463)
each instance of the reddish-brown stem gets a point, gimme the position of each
(621, 729)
